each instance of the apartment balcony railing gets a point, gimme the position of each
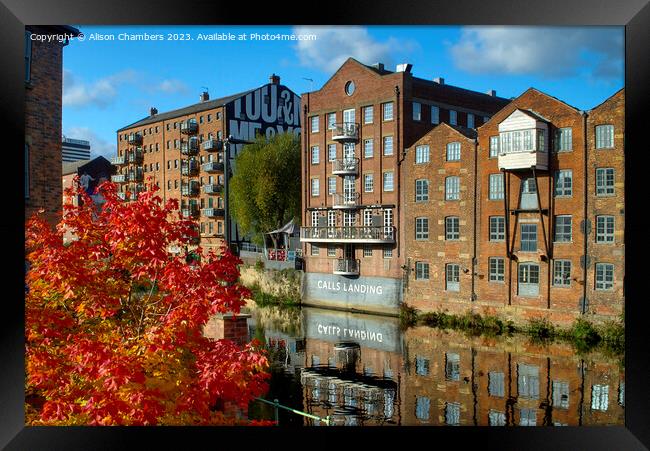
(189, 127)
(118, 160)
(213, 212)
(190, 147)
(136, 175)
(213, 166)
(136, 156)
(119, 178)
(346, 166)
(212, 188)
(345, 200)
(212, 145)
(352, 234)
(135, 138)
(190, 189)
(190, 211)
(345, 132)
(346, 267)
(189, 168)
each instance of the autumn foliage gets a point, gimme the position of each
(114, 320)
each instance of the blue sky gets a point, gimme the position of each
(111, 83)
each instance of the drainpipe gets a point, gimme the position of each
(474, 297)
(585, 234)
(306, 180)
(396, 218)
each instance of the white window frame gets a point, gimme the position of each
(315, 187)
(314, 124)
(422, 154)
(315, 154)
(453, 151)
(387, 111)
(388, 149)
(388, 179)
(368, 183)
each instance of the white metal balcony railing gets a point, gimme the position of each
(212, 145)
(118, 160)
(212, 166)
(212, 212)
(345, 132)
(190, 147)
(345, 200)
(191, 168)
(189, 127)
(191, 189)
(351, 234)
(346, 267)
(119, 178)
(212, 188)
(190, 212)
(136, 157)
(137, 175)
(135, 138)
(346, 166)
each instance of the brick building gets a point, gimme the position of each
(544, 182)
(43, 106)
(182, 151)
(357, 127)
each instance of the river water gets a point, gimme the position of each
(362, 370)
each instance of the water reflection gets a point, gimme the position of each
(361, 370)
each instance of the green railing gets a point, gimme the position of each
(277, 406)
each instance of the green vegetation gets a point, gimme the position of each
(259, 265)
(263, 299)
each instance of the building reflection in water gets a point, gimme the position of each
(361, 370)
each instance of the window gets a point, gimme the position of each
(496, 186)
(496, 384)
(599, 397)
(452, 271)
(452, 413)
(388, 181)
(421, 154)
(331, 121)
(422, 405)
(28, 55)
(470, 120)
(169, 143)
(314, 249)
(560, 395)
(453, 152)
(177, 144)
(388, 145)
(368, 183)
(331, 185)
(388, 111)
(169, 164)
(331, 152)
(564, 139)
(496, 267)
(496, 418)
(331, 251)
(452, 188)
(452, 366)
(367, 148)
(453, 117)
(604, 181)
(604, 229)
(527, 417)
(421, 270)
(562, 273)
(562, 229)
(529, 237)
(314, 124)
(421, 228)
(564, 183)
(417, 111)
(528, 279)
(388, 253)
(435, 115)
(210, 117)
(421, 366)
(367, 250)
(367, 217)
(452, 228)
(604, 136)
(494, 146)
(315, 187)
(367, 115)
(604, 276)
(421, 190)
(528, 381)
(175, 164)
(315, 157)
(497, 228)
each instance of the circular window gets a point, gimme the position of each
(349, 88)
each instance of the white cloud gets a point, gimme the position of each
(172, 87)
(100, 93)
(551, 52)
(98, 145)
(333, 45)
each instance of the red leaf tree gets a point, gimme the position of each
(114, 320)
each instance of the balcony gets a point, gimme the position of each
(190, 211)
(213, 166)
(190, 147)
(346, 267)
(118, 160)
(213, 145)
(135, 139)
(346, 166)
(189, 168)
(345, 132)
(189, 127)
(213, 188)
(345, 200)
(352, 234)
(213, 212)
(136, 156)
(523, 141)
(190, 189)
(136, 175)
(119, 178)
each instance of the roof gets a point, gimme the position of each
(532, 114)
(289, 228)
(73, 166)
(468, 132)
(195, 108)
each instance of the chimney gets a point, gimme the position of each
(275, 79)
(404, 67)
(439, 80)
(204, 96)
(153, 111)
(379, 66)
(492, 93)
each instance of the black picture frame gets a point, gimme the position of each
(634, 15)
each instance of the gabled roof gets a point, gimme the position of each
(607, 99)
(467, 132)
(70, 167)
(532, 114)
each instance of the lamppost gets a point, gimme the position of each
(226, 169)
